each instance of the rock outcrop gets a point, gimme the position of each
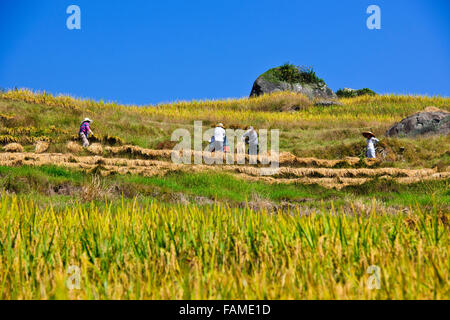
(431, 121)
(275, 80)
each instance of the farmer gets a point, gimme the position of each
(251, 137)
(226, 145)
(84, 132)
(217, 141)
(371, 141)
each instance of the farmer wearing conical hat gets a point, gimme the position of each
(371, 141)
(217, 141)
(251, 137)
(85, 129)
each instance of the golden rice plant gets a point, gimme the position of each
(6, 116)
(32, 131)
(155, 251)
(5, 139)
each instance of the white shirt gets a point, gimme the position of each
(252, 136)
(371, 143)
(219, 134)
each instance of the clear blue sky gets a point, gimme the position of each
(150, 51)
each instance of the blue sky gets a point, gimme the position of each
(141, 52)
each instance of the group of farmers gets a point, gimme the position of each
(219, 142)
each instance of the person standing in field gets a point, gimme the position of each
(371, 141)
(252, 136)
(84, 132)
(218, 139)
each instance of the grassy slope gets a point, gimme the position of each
(324, 132)
(60, 187)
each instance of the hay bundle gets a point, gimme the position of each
(287, 158)
(95, 148)
(138, 151)
(13, 147)
(41, 147)
(74, 147)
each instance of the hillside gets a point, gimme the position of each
(321, 147)
(331, 132)
(142, 227)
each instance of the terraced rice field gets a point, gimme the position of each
(328, 173)
(139, 226)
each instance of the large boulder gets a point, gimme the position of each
(292, 78)
(430, 121)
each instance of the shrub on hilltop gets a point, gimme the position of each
(293, 74)
(351, 93)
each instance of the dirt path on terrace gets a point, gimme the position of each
(315, 171)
